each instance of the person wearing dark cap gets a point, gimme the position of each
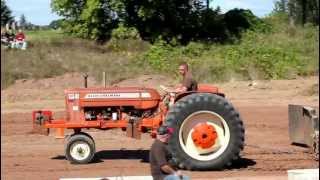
(161, 169)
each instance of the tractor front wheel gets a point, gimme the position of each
(208, 132)
(80, 148)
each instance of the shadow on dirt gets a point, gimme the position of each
(143, 155)
(59, 157)
(242, 163)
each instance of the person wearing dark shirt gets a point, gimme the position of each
(161, 169)
(4, 36)
(188, 82)
(7, 37)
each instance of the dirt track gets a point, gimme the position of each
(268, 151)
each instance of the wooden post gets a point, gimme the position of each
(104, 79)
(85, 76)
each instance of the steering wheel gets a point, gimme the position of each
(168, 91)
(164, 88)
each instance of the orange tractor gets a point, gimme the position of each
(208, 131)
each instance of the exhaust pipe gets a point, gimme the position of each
(85, 76)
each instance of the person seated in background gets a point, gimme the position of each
(4, 36)
(20, 40)
(7, 38)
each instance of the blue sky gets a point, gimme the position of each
(39, 11)
(36, 11)
(258, 7)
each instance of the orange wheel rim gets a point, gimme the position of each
(204, 135)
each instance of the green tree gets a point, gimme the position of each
(208, 3)
(92, 19)
(281, 6)
(170, 20)
(23, 21)
(313, 8)
(299, 11)
(6, 16)
(56, 24)
(167, 19)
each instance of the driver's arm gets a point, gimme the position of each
(181, 89)
(186, 82)
(178, 85)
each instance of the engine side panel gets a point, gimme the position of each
(84, 104)
(140, 98)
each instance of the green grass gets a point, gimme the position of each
(52, 54)
(44, 35)
(284, 53)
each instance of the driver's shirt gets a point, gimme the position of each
(189, 82)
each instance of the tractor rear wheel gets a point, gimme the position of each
(80, 148)
(208, 132)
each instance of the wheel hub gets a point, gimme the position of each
(79, 150)
(204, 135)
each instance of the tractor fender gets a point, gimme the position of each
(83, 133)
(184, 94)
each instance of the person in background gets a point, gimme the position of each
(7, 38)
(4, 37)
(20, 40)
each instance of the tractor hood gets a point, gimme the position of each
(140, 98)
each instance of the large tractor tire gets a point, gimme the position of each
(80, 148)
(208, 132)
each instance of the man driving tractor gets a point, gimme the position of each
(188, 83)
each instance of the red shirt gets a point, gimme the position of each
(20, 36)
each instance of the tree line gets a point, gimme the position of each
(179, 20)
(299, 11)
(170, 20)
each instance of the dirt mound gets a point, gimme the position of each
(53, 88)
(271, 92)
(150, 81)
(65, 81)
(50, 88)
